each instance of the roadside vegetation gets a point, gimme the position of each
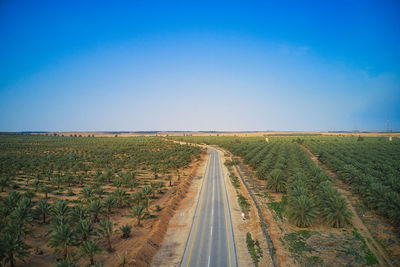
(254, 249)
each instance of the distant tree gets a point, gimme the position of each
(45, 190)
(120, 197)
(146, 193)
(61, 238)
(169, 178)
(109, 203)
(78, 213)
(154, 187)
(106, 229)
(84, 230)
(23, 212)
(137, 211)
(4, 183)
(43, 209)
(95, 208)
(60, 208)
(90, 248)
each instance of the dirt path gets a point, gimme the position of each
(173, 246)
(374, 246)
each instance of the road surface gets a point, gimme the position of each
(210, 241)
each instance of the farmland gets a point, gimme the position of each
(80, 200)
(335, 208)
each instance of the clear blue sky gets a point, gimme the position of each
(166, 65)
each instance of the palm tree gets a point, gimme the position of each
(60, 208)
(61, 238)
(95, 209)
(126, 230)
(137, 197)
(84, 230)
(4, 183)
(11, 200)
(23, 212)
(146, 192)
(45, 190)
(69, 179)
(87, 194)
(120, 197)
(109, 203)
(333, 206)
(99, 191)
(90, 248)
(106, 229)
(137, 211)
(169, 178)
(123, 259)
(13, 247)
(65, 263)
(302, 211)
(277, 181)
(43, 209)
(154, 186)
(58, 181)
(335, 212)
(79, 212)
(160, 186)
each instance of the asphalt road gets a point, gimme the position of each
(210, 241)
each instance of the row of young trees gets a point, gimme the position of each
(74, 230)
(33, 156)
(102, 176)
(371, 168)
(287, 169)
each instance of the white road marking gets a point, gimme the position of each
(211, 231)
(208, 261)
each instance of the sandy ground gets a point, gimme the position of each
(173, 246)
(374, 246)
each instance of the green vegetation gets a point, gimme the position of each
(126, 230)
(278, 207)
(96, 176)
(371, 168)
(254, 249)
(286, 168)
(234, 180)
(244, 205)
